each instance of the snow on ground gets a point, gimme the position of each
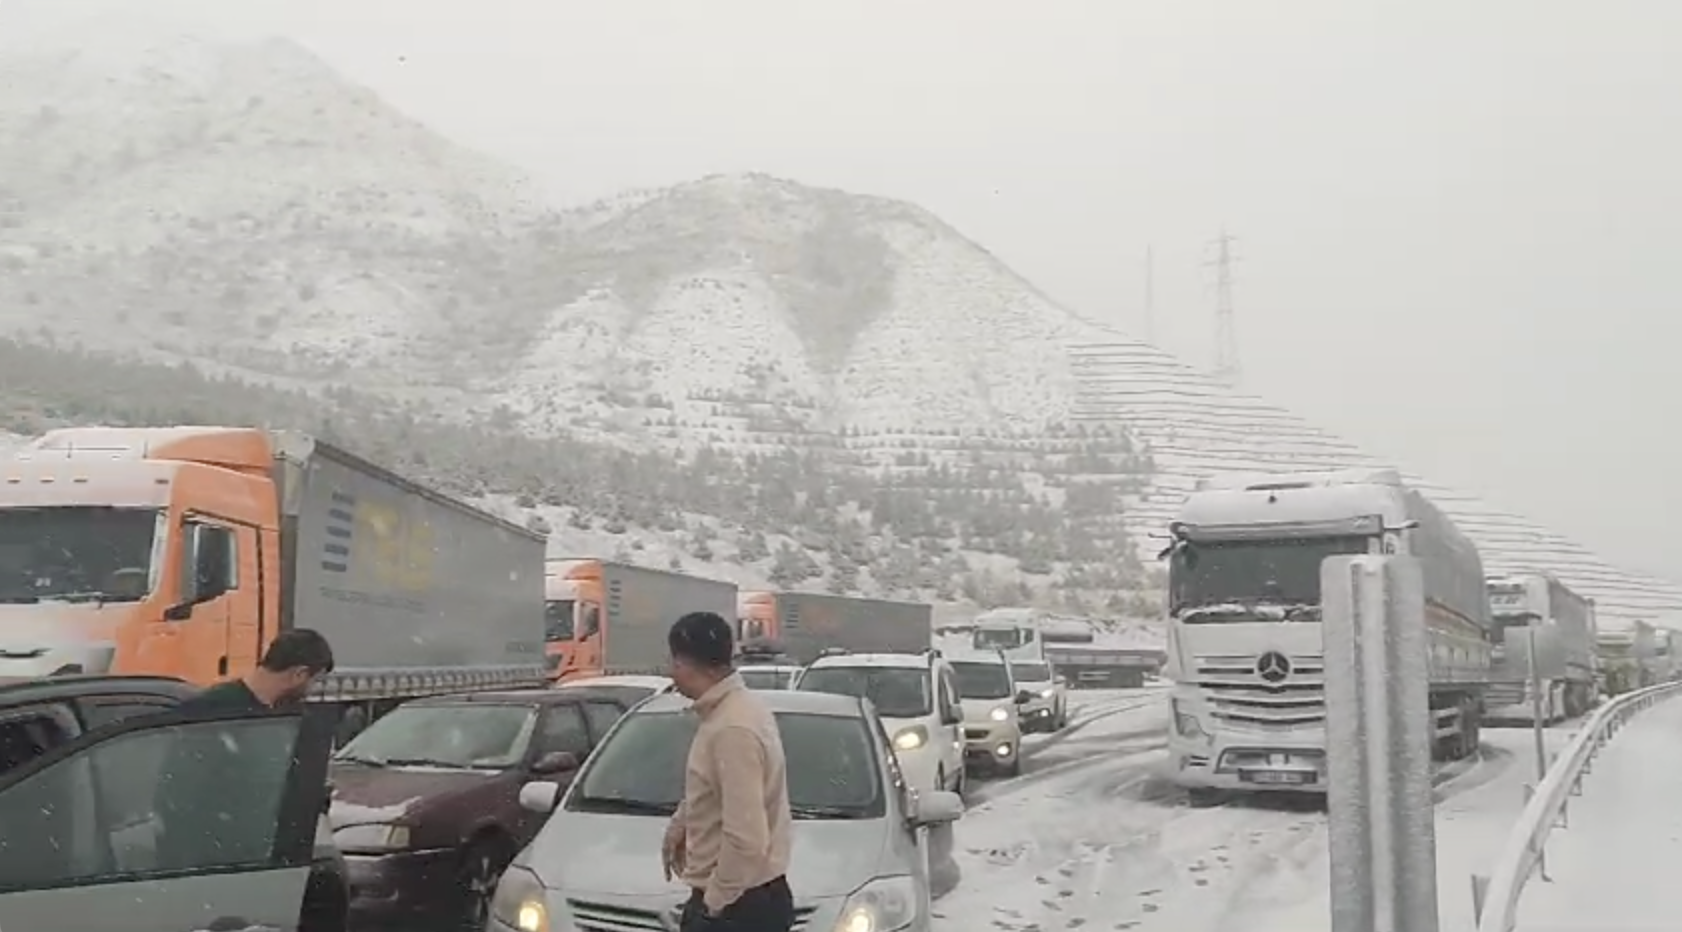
(1613, 867)
(1091, 837)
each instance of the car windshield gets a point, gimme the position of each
(1031, 672)
(897, 692)
(78, 554)
(469, 735)
(764, 677)
(981, 680)
(833, 772)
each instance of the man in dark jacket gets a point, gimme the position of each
(213, 816)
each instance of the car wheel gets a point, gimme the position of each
(940, 778)
(1015, 768)
(482, 865)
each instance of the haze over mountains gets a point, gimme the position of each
(243, 207)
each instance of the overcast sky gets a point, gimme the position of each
(1458, 221)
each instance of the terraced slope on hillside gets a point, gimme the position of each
(1195, 427)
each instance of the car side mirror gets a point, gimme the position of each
(936, 807)
(1023, 697)
(555, 762)
(540, 796)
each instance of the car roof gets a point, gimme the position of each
(619, 679)
(779, 701)
(891, 661)
(75, 686)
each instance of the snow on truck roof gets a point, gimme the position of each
(1253, 481)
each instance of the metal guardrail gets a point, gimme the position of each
(1498, 895)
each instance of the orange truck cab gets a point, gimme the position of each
(607, 617)
(183, 551)
(756, 616)
(572, 619)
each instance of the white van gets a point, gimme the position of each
(992, 712)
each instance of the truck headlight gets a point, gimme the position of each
(1185, 723)
(1047, 693)
(520, 901)
(372, 837)
(999, 714)
(882, 905)
(910, 739)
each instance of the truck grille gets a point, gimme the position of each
(609, 917)
(1238, 693)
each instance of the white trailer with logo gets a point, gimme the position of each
(1543, 653)
(1248, 701)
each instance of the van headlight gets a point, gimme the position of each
(910, 739)
(520, 901)
(999, 714)
(372, 837)
(882, 905)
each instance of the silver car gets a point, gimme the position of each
(860, 858)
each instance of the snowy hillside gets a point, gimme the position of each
(867, 381)
(1196, 427)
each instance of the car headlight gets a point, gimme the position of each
(910, 739)
(882, 905)
(999, 714)
(372, 837)
(1047, 693)
(520, 901)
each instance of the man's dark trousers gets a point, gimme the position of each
(768, 907)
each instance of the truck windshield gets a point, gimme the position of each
(77, 554)
(557, 620)
(1002, 638)
(1252, 572)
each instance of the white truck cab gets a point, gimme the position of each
(916, 697)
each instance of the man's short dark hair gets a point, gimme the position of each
(704, 638)
(299, 647)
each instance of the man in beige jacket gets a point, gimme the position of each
(729, 840)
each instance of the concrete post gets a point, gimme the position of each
(1378, 746)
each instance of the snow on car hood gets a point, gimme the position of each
(582, 853)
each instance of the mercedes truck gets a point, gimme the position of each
(1248, 698)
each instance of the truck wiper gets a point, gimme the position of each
(620, 804)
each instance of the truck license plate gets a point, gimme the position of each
(1278, 777)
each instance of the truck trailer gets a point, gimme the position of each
(1538, 617)
(1248, 701)
(802, 625)
(183, 551)
(605, 617)
(1626, 657)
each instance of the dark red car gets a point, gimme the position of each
(426, 801)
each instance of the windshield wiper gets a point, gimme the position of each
(364, 761)
(19, 599)
(825, 812)
(425, 762)
(622, 805)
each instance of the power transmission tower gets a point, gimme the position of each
(1227, 368)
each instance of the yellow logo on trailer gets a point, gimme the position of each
(401, 548)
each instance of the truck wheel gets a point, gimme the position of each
(482, 865)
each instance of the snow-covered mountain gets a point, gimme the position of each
(245, 207)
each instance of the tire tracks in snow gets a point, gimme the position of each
(1115, 846)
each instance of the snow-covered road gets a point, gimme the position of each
(1090, 837)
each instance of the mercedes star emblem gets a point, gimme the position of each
(1273, 666)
